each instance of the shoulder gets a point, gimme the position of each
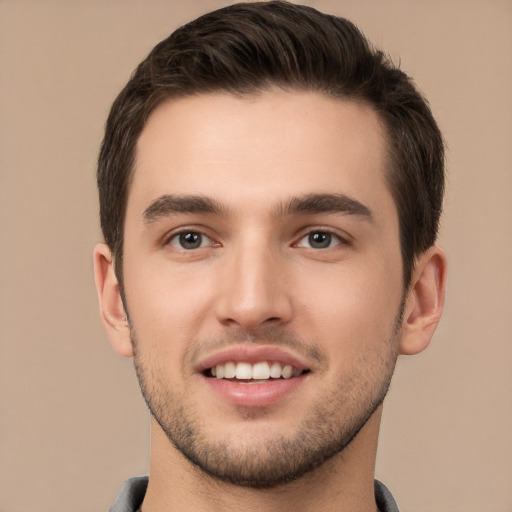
(131, 495)
(384, 498)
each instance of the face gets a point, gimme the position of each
(262, 276)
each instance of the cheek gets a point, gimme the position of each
(167, 309)
(353, 309)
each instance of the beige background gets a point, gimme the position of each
(72, 424)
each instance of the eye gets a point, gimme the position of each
(319, 240)
(190, 240)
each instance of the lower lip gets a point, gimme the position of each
(246, 394)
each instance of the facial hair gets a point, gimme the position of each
(335, 420)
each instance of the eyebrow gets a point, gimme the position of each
(325, 203)
(168, 205)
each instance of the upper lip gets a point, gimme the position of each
(252, 354)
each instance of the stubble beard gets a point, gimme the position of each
(333, 423)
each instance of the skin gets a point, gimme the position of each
(258, 280)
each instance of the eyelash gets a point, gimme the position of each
(340, 240)
(176, 237)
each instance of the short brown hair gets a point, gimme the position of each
(248, 47)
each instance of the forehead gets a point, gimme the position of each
(261, 148)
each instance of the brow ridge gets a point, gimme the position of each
(315, 203)
(325, 203)
(169, 204)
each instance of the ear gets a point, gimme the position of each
(424, 302)
(113, 314)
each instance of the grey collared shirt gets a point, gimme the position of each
(132, 494)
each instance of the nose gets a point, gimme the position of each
(254, 291)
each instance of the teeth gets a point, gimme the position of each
(243, 371)
(261, 371)
(258, 371)
(275, 370)
(287, 371)
(297, 372)
(229, 370)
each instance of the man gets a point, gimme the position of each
(270, 191)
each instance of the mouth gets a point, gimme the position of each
(253, 376)
(245, 372)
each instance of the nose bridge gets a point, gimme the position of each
(253, 290)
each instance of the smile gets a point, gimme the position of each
(260, 371)
(254, 376)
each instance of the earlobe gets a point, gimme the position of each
(425, 301)
(112, 310)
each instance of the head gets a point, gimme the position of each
(244, 49)
(270, 189)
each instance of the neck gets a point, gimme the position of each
(344, 482)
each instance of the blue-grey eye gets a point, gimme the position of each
(189, 240)
(319, 240)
